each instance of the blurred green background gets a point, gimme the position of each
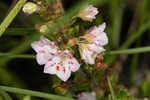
(128, 26)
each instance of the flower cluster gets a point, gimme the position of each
(61, 61)
(96, 39)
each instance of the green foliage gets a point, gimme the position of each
(106, 82)
(144, 88)
(122, 95)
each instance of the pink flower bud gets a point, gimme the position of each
(89, 13)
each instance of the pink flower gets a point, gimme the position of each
(45, 49)
(87, 96)
(95, 40)
(89, 13)
(89, 52)
(62, 65)
(97, 35)
(58, 62)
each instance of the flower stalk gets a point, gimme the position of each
(7, 21)
(34, 93)
(116, 52)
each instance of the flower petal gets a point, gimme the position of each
(97, 49)
(89, 52)
(50, 66)
(96, 35)
(89, 13)
(41, 59)
(102, 27)
(64, 73)
(59, 65)
(44, 49)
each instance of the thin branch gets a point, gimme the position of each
(111, 89)
(130, 51)
(20, 31)
(5, 95)
(34, 93)
(7, 21)
(17, 55)
(117, 52)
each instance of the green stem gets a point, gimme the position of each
(11, 16)
(131, 39)
(17, 55)
(117, 52)
(26, 45)
(136, 35)
(5, 95)
(111, 89)
(116, 14)
(20, 31)
(130, 51)
(7, 77)
(34, 93)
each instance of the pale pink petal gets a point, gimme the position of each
(89, 52)
(35, 46)
(89, 13)
(64, 73)
(41, 59)
(60, 65)
(101, 39)
(44, 44)
(95, 48)
(96, 35)
(74, 65)
(45, 49)
(102, 27)
(50, 66)
(88, 57)
(71, 61)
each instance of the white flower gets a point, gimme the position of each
(87, 96)
(89, 13)
(97, 35)
(95, 40)
(89, 52)
(30, 8)
(62, 64)
(45, 49)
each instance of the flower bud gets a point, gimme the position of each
(43, 28)
(30, 8)
(89, 13)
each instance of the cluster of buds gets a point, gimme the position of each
(61, 62)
